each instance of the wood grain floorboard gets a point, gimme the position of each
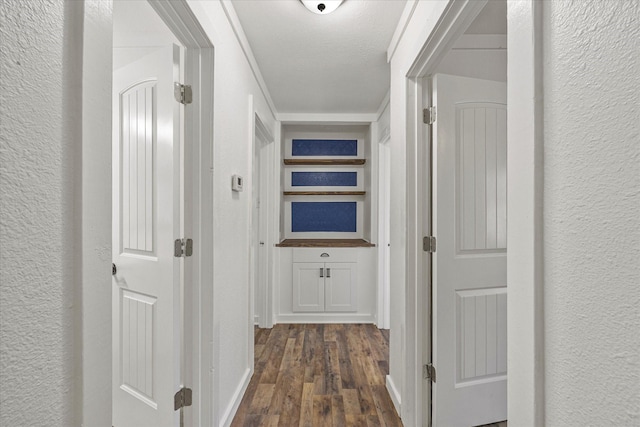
(319, 375)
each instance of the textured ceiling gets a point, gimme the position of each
(313, 63)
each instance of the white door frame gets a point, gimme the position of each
(261, 134)
(524, 264)
(96, 166)
(198, 316)
(384, 286)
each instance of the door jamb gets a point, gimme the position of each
(260, 132)
(452, 23)
(383, 288)
(198, 312)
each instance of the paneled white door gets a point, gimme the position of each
(146, 299)
(469, 347)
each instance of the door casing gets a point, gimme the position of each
(199, 62)
(526, 401)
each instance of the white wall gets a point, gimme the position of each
(234, 82)
(591, 206)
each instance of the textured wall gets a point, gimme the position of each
(39, 138)
(591, 206)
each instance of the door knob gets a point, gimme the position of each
(114, 269)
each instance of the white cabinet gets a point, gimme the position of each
(340, 287)
(324, 286)
(308, 286)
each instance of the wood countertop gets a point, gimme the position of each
(325, 243)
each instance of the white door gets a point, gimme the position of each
(146, 288)
(469, 346)
(308, 287)
(340, 285)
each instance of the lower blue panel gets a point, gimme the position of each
(324, 179)
(324, 217)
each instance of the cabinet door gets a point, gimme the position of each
(341, 284)
(308, 286)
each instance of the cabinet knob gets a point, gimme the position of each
(321, 272)
(324, 255)
(328, 272)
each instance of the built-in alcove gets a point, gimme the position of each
(325, 186)
(326, 256)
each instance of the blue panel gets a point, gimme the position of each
(324, 147)
(324, 179)
(323, 216)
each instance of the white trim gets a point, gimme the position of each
(233, 406)
(232, 17)
(326, 318)
(383, 105)
(452, 24)
(264, 314)
(383, 287)
(93, 355)
(252, 236)
(525, 315)
(393, 393)
(405, 18)
(326, 119)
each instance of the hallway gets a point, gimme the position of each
(319, 375)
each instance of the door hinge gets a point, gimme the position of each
(182, 398)
(429, 115)
(182, 248)
(429, 243)
(429, 372)
(183, 93)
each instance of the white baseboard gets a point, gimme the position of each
(230, 412)
(393, 393)
(325, 318)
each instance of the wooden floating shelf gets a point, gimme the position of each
(325, 243)
(325, 193)
(330, 162)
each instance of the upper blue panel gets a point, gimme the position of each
(323, 217)
(324, 179)
(324, 147)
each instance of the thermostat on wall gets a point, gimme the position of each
(236, 183)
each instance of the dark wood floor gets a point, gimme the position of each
(319, 375)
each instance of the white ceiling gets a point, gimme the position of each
(313, 63)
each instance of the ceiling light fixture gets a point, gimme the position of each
(321, 7)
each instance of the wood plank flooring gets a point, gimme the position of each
(319, 375)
